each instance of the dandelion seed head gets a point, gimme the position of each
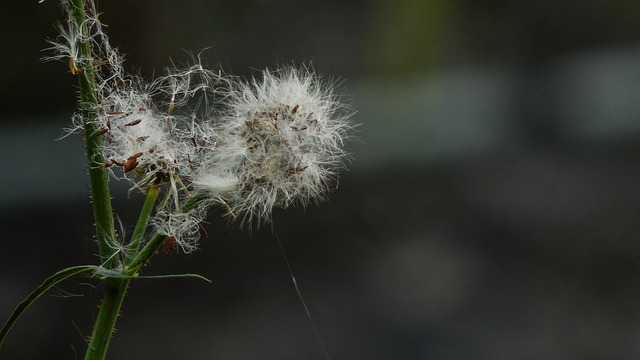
(281, 138)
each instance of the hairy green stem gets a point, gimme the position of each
(114, 293)
(105, 229)
(115, 289)
(145, 254)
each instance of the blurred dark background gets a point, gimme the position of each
(491, 211)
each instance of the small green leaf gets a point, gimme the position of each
(46, 285)
(106, 273)
(64, 274)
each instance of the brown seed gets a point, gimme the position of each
(132, 162)
(169, 245)
(134, 122)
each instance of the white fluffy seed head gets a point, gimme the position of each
(281, 140)
(150, 129)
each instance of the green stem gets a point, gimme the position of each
(147, 252)
(105, 229)
(115, 289)
(114, 293)
(143, 221)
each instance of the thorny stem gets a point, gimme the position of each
(115, 289)
(105, 229)
(103, 329)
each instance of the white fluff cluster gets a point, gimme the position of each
(149, 129)
(250, 146)
(279, 142)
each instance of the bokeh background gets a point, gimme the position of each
(491, 211)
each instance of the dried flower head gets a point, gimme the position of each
(279, 143)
